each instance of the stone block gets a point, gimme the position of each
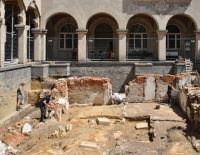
(85, 144)
(103, 121)
(39, 71)
(142, 126)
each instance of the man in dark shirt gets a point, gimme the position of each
(169, 92)
(44, 102)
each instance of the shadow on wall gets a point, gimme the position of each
(129, 78)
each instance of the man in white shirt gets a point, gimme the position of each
(117, 98)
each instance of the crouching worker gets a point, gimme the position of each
(44, 102)
(116, 99)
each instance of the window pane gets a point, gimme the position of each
(61, 35)
(61, 43)
(178, 41)
(68, 36)
(144, 41)
(166, 41)
(138, 41)
(171, 41)
(138, 29)
(68, 28)
(131, 41)
(68, 43)
(75, 41)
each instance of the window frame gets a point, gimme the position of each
(142, 46)
(167, 41)
(65, 41)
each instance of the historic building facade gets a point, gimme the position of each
(93, 30)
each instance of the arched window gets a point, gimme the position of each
(68, 37)
(138, 37)
(173, 37)
(103, 28)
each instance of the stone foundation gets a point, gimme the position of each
(89, 90)
(153, 88)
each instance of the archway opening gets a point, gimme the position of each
(30, 15)
(142, 38)
(102, 38)
(180, 39)
(11, 45)
(62, 40)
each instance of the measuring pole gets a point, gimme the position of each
(12, 33)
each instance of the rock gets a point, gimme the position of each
(103, 121)
(193, 140)
(118, 136)
(65, 148)
(18, 125)
(119, 142)
(10, 129)
(61, 129)
(69, 127)
(26, 128)
(3, 148)
(85, 144)
(142, 126)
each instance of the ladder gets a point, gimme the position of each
(188, 65)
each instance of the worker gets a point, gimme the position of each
(117, 99)
(169, 92)
(45, 102)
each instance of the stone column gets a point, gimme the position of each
(197, 50)
(2, 33)
(22, 43)
(43, 45)
(37, 44)
(122, 44)
(82, 52)
(162, 44)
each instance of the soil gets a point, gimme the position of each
(39, 143)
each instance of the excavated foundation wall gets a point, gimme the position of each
(153, 88)
(86, 90)
(10, 79)
(89, 90)
(189, 100)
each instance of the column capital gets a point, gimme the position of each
(122, 31)
(36, 31)
(44, 31)
(162, 31)
(197, 32)
(81, 31)
(20, 27)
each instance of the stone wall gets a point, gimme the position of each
(151, 88)
(10, 79)
(89, 90)
(119, 73)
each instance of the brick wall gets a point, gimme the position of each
(151, 88)
(88, 90)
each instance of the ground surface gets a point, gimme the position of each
(167, 122)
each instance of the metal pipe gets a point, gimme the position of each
(12, 32)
